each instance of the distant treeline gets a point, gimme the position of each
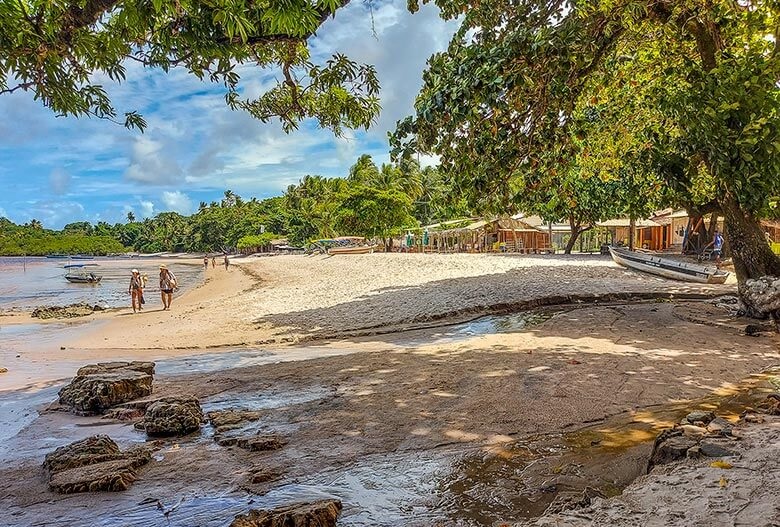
(371, 201)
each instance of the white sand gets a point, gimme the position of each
(287, 298)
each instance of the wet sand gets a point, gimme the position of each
(417, 428)
(464, 424)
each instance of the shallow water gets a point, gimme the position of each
(26, 283)
(453, 486)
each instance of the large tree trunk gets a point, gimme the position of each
(631, 233)
(752, 256)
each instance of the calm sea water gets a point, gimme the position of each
(26, 283)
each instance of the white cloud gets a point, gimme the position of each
(3, 213)
(59, 181)
(152, 162)
(147, 209)
(178, 202)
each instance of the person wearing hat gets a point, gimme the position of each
(136, 290)
(167, 285)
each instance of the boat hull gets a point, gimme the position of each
(668, 268)
(83, 280)
(366, 249)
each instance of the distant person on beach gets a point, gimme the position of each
(167, 285)
(136, 290)
(717, 247)
(206, 262)
(227, 262)
(213, 262)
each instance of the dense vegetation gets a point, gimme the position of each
(371, 201)
(32, 239)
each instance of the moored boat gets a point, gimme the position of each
(79, 274)
(673, 269)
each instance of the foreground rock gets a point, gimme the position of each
(93, 464)
(763, 294)
(322, 513)
(69, 311)
(703, 492)
(256, 443)
(98, 387)
(172, 416)
(699, 434)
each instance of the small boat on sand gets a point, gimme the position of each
(79, 274)
(673, 269)
(358, 249)
(342, 245)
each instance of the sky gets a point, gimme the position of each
(63, 169)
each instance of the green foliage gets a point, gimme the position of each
(32, 240)
(255, 241)
(373, 213)
(676, 101)
(60, 50)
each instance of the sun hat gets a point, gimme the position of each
(162, 266)
(134, 271)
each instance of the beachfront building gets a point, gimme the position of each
(647, 233)
(481, 235)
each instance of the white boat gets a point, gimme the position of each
(79, 274)
(358, 249)
(673, 269)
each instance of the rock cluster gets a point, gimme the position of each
(323, 513)
(98, 387)
(93, 464)
(172, 416)
(699, 434)
(69, 311)
(762, 294)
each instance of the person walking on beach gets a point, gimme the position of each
(227, 262)
(213, 262)
(167, 285)
(206, 263)
(136, 290)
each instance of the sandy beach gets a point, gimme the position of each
(468, 417)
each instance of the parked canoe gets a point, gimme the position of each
(357, 249)
(673, 269)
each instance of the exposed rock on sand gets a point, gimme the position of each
(693, 440)
(696, 492)
(69, 311)
(223, 420)
(98, 387)
(763, 294)
(172, 416)
(322, 513)
(93, 464)
(106, 367)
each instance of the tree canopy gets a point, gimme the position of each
(683, 93)
(63, 51)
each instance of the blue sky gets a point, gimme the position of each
(59, 170)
